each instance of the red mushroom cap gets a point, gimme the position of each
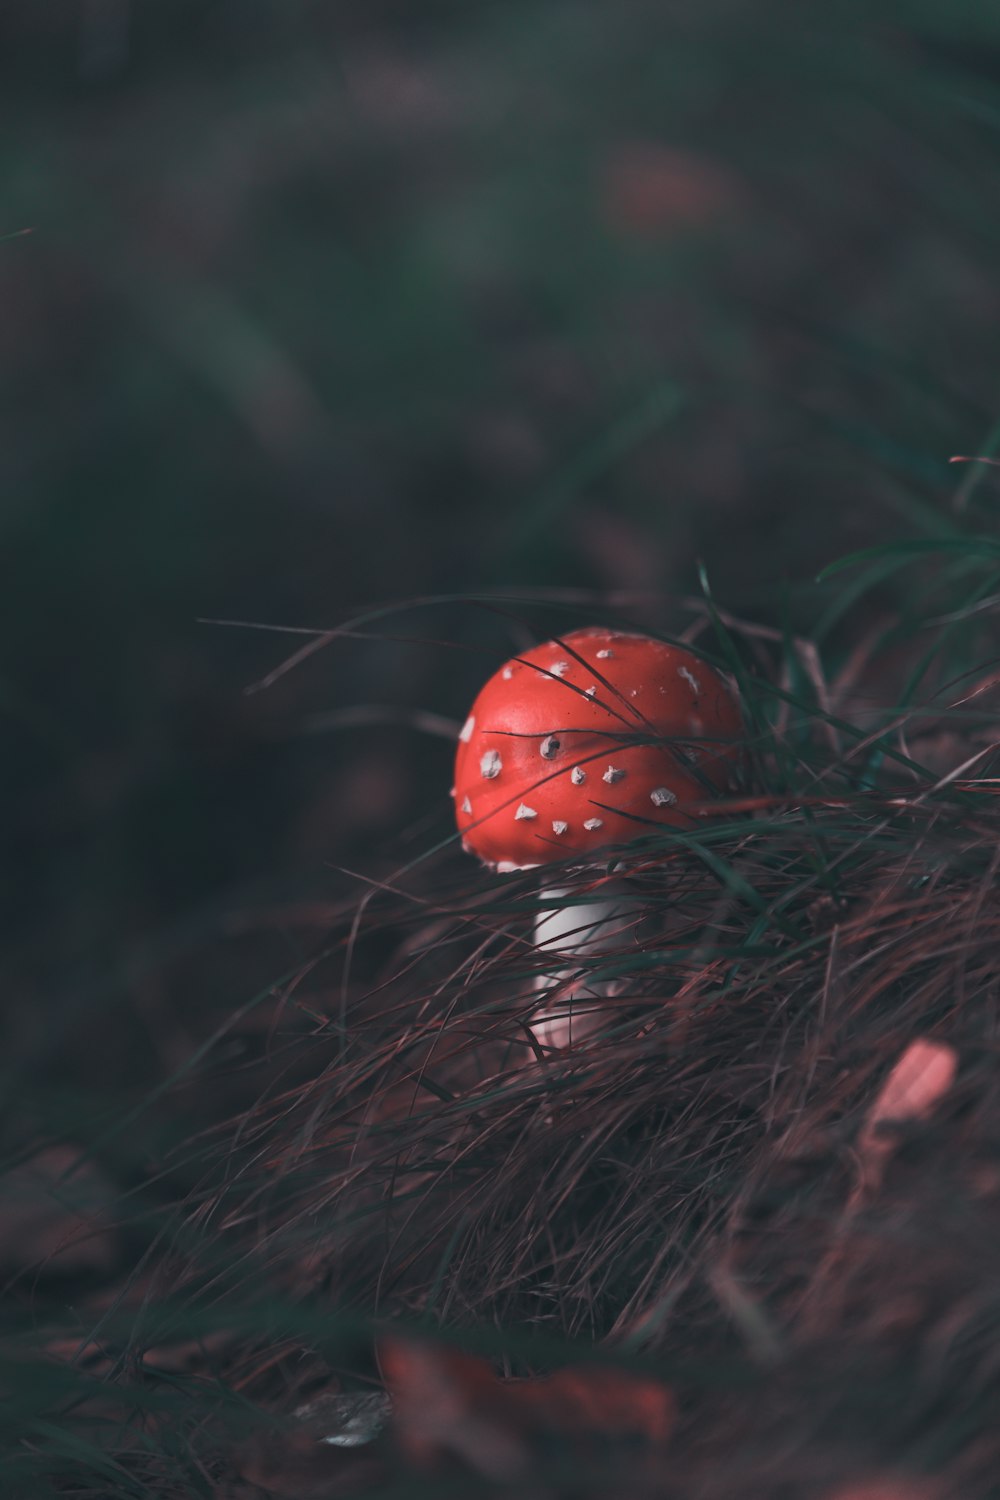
(589, 740)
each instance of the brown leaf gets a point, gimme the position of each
(608, 1403)
(449, 1403)
(445, 1402)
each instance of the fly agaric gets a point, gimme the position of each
(588, 740)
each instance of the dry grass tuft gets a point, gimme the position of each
(767, 1181)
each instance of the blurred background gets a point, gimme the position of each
(310, 306)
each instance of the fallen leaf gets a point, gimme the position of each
(923, 1075)
(444, 1402)
(448, 1403)
(918, 1082)
(608, 1403)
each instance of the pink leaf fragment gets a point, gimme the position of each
(886, 1489)
(920, 1079)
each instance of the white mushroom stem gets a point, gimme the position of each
(571, 935)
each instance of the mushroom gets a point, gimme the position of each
(589, 740)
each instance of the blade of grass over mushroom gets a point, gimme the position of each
(353, 628)
(609, 687)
